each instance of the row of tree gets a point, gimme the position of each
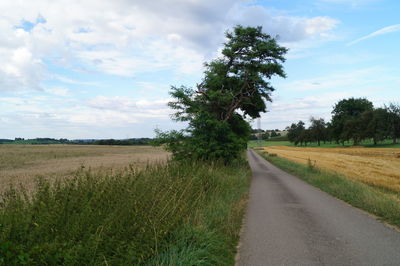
(135, 141)
(139, 141)
(264, 134)
(353, 119)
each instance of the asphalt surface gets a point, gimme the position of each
(289, 222)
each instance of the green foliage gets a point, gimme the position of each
(393, 121)
(375, 123)
(318, 129)
(265, 136)
(235, 86)
(296, 133)
(387, 143)
(274, 134)
(186, 213)
(346, 118)
(139, 141)
(353, 120)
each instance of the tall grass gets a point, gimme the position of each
(175, 214)
(386, 206)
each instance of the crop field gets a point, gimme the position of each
(379, 167)
(22, 163)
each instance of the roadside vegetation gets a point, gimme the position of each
(385, 204)
(181, 213)
(187, 211)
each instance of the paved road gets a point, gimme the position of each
(289, 222)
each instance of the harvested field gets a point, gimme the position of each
(379, 167)
(22, 163)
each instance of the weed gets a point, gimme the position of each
(185, 213)
(311, 164)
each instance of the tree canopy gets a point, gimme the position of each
(353, 119)
(346, 120)
(235, 86)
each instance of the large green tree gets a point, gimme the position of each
(235, 86)
(346, 119)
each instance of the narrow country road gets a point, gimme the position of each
(289, 222)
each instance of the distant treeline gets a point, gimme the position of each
(34, 141)
(272, 134)
(135, 141)
(141, 141)
(353, 119)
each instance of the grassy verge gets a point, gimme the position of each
(386, 206)
(176, 214)
(365, 143)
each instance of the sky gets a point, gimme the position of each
(103, 69)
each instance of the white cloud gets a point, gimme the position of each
(352, 3)
(71, 118)
(143, 108)
(127, 38)
(288, 28)
(58, 91)
(340, 81)
(72, 81)
(383, 31)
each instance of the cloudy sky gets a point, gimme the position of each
(103, 69)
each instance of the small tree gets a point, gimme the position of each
(317, 129)
(237, 81)
(265, 136)
(296, 133)
(376, 124)
(393, 121)
(274, 134)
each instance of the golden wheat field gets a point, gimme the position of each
(379, 167)
(23, 163)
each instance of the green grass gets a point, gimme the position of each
(366, 143)
(385, 206)
(186, 213)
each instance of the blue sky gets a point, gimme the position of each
(103, 69)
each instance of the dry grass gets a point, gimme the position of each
(23, 163)
(379, 167)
